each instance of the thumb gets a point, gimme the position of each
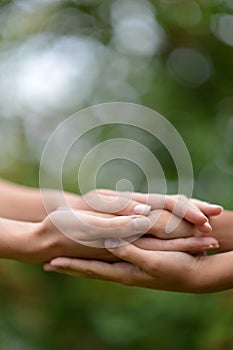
(128, 252)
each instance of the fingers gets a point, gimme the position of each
(128, 252)
(179, 205)
(117, 272)
(192, 210)
(207, 208)
(168, 270)
(126, 203)
(114, 202)
(80, 226)
(166, 225)
(174, 271)
(119, 226)
(191, 244)
(205, 228)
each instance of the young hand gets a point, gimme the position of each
(121, 203)
(79, 234)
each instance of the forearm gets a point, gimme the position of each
(223, 230)
(20, 203)
(26, 204)
(215, 274)
(15, 239)
(35, 243)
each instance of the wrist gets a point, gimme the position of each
(216, 273)
(53, 199)
(43, 242)
(16, 239)
(222, 226)
(51, 243)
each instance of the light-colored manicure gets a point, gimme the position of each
(203, 216)
(61, 262)
(216, 206)
(63, 208)
(213, 246)
(207, 225)
(142, 209)
(141, 225)
(48, 267)
(112, 243)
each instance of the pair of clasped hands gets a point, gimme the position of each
(176, 232)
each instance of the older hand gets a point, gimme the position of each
(163, 270)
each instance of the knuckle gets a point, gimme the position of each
(115, 222)
(132, 281)
(119, 205)
(154, 267)
(165, 244)
(127, 281)
(93, 232)
(123, 253)
(181, 198)
(188, 247)
(168, 203)
(90, 271)
(70, 265)
(165, 215)
(131, 278)
(90, 193)
(162, 221)
(189, 244)
(123, 227)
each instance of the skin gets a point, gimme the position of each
(26, 204)
(39, 242)
(163, 270)
(160, 270)
(28, 233)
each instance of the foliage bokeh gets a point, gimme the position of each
(57, 57)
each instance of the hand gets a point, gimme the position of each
(123, 203)
(176, 207)
(48, 239)
(163, 270)
(195, 212)
(166, 225)
(111, 202)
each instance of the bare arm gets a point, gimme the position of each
(40, 242)
(19, 202)
(24, 203)
(222, 226)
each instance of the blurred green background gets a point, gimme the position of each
(57, 57)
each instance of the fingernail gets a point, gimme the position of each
(48, 267)
(63, 208)
(60, 262)
(142, 209)
(112, 243)
(216, 206)
(213, 246)
(203, 216)
(141, 225)
(207, 225)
